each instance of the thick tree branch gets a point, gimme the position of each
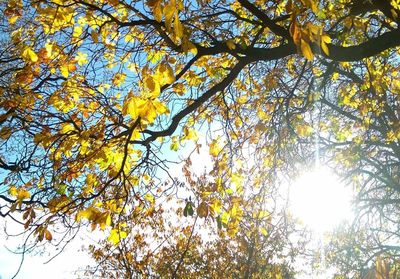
(277, 29)
(336, 53)
(367, 49)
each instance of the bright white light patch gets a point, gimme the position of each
(320, 200)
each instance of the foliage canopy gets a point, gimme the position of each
(98, 97)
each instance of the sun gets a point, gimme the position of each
(320, 200)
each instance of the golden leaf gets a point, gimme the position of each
(157, 12)
(95, 36)
(263, 231)
(116, 235)
(152, 85)
(13, 191)
(306, 50)
(13, 19)
(86, 213)
(165, 73)
(202, 210)
(215, 148)
(149, 197)
(131, 107)
(188, 46)
(152, 3)
(215, 206)
(5, 133)
(169, 11)
(325, 39)
(178, 28)
(67, 68)
(304, 130)
(23, 194)
(118, 79)
(67, 127)
(230, 44)
(48, 235)
(81, 58)
(29, 55)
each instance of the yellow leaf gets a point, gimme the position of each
(325, 48)
(242, 99)
(13, 19)
(215, 148)
(149, 197)
(116, 235)
(278, 275)
(118, 79)
(165, 74)
(311, 4)
(225, 217)
(58, 2)
(295, 31)
(29, 55)
(131, 107)
(232, 229)
(394, 14)
(23, 194)
(103, 220)
(58, 203)
(178, 28)
(81, 58)
(108, 220)
(314, 31)
(67, 127)
(49, 49)
(77, 31)
(169, 11)
(86, 213)
(157, 11)
(215, 205)
(237, 180)
(190, 134)
(67, 68)
(130, 38)
(230, 44)
(306, 50)
(262, 214)
(13, 191)
(188, 46)
(325, 39)
(169, 74)
(148, 109)
(304, 130)
(263, 231)
(174, 144)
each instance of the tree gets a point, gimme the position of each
(368, 154)
(205, 244)
(97, 95)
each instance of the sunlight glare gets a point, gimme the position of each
(320, 200)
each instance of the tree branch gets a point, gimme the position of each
(195, 105)
(277, 29)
